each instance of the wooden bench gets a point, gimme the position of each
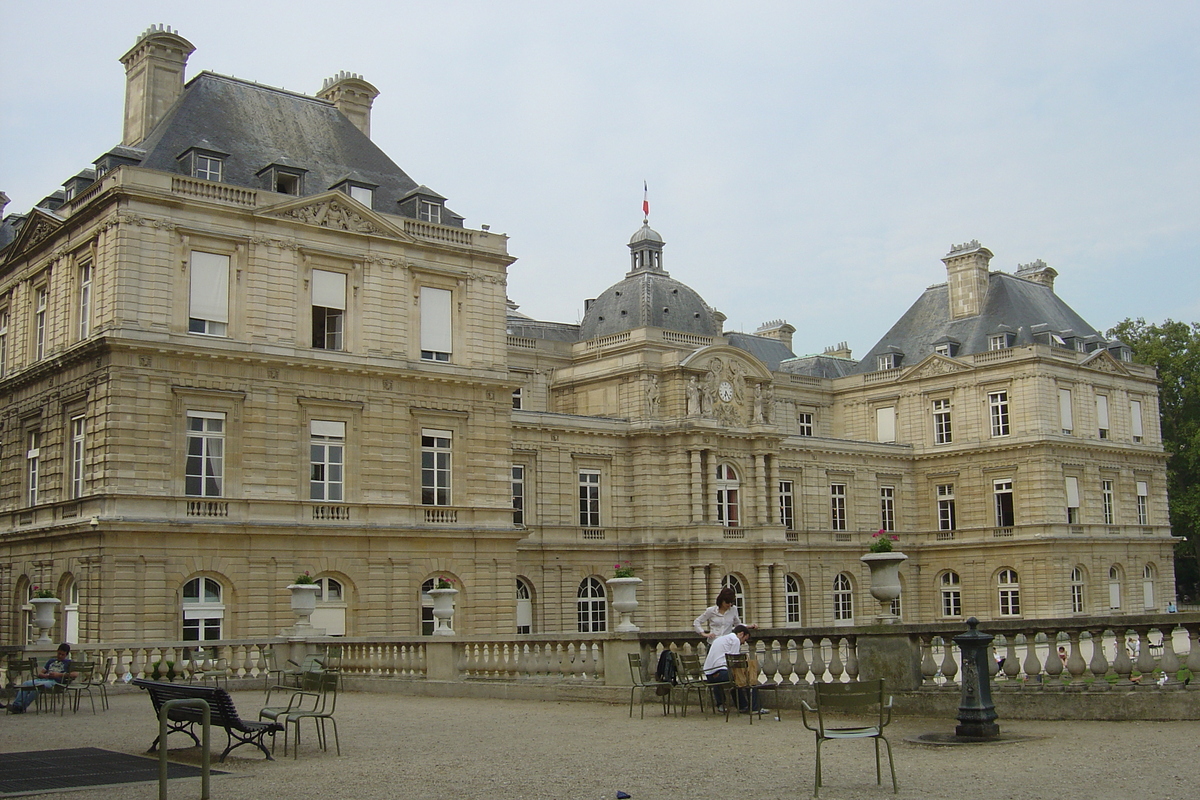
(223, 714)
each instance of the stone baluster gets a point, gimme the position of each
(928, 667)
(1075, 663)
(949, 664)
(1193, 659)
(1099, 662)
(1054, 664)
(1033, 664)
(852, 658)
(818, 660)
(1145, 659)
(993, 665)
(836, 668)
(1122, 664)
(1170, 662)
(1012, 665)
(800, 668)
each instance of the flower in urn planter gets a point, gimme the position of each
(881, 541)
(623, 569)
(43, 594)
(306, 578)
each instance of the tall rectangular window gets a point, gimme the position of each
(327, 460)
(33, 455)
(998, 411)
(85, 299)
(328, 309)
(1135, 419)
(209, 294)
(1143, 500)
(430, 212)
(518, 495)
(887, 508)
(1072, 500)
(435, 467)
(1066, 414)
(78, 454)
(518, 399)
(1102, 415)
(436, 318)
(947, 520)
(3, 342)
(837, 506)
(885, 424)
(1107, 502)
(589, 498)
(942, 433)
(41, 299)
(787, 505)
(204, 475)
(804, 424)
(1002, 491)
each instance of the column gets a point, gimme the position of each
(766, 593)
(697, 485)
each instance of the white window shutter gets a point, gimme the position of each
(885, 424)
(435, 320)
(1135, 413)
(329, 289)
(1072, 492)
(1065, 413)
(210, 287)
(1102, 411)
(321, 427)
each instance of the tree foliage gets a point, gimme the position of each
(1174, 349)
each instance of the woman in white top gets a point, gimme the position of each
(720, 618)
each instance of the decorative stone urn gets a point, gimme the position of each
(304, 603)
(885, 581)
(443, 610)
(624, 601)
(44, 609)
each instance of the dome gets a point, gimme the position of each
(649, 297)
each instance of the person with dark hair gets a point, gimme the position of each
(56, 671)
(720, 618)
(717, 671)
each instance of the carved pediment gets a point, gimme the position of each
(936, 366)
(337, 211)
(39, 226)
(1102, 361)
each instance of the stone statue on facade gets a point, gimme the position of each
(693, 397)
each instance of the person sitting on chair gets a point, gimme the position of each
(716, 671)
(56, 671)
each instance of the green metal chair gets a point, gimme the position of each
(640, 683)
(689, 676)
(862, 701)
(327, 683)
(84, 681)
(739, 666)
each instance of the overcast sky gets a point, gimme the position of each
(806, 161)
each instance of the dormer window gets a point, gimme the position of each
(1000, 341)
(283, 179)
(362, 192)
(946, 347)
(429, 211)
(887, 361)
(206, 165)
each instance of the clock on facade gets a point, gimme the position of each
(725, 391)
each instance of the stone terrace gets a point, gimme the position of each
(397, 746)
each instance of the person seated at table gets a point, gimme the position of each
(56, 671)
(716, 670)
(719, 618)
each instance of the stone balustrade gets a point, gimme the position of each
(1105, 656)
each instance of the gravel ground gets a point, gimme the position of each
(394, 746)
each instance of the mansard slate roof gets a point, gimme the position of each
(253, 126)
(771, 352)
(1013, 305)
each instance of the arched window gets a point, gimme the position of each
(1114, 587)
(727, 496)
(71, 613)
(791, 599)
(330, 613)
(1077, 590)
(524, 607)
(203, 611)
(843, 599)
(951, 588)
(427, 620)
(1010, 593)
(739, 601)
(1148, 587)
(592, 607)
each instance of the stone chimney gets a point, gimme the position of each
(153, 79)
(777, 329)
(840, 350)
(353, 97)
(967, 274)
(1038, 272)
